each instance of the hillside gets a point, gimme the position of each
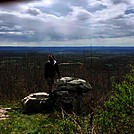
(23, 73)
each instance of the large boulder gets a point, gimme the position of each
(68, 93)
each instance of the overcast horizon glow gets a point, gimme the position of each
(67, 23)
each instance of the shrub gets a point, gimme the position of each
(118, 113)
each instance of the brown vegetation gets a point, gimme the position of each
(22, 74)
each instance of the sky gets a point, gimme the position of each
(67, 23)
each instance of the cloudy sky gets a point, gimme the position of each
(67, 22)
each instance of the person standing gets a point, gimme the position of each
(51, 68)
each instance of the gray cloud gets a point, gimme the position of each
(79, 14)
(33, 11)
(121, 1)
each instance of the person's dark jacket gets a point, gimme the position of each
(51, 68)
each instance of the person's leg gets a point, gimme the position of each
(50, 82)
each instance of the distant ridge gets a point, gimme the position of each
(69, 49)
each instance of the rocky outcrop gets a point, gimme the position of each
(67, 95)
